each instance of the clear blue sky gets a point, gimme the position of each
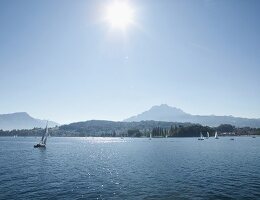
(59, 61)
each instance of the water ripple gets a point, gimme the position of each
(130, 168)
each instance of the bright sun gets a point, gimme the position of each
(119, 14)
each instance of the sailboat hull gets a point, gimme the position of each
(39, 146)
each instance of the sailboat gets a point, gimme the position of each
(43, 141)
(150, 136)
(216, 135)
(207, 135)
(201, 137)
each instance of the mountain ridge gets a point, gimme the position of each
(22, 120)
(167, 113)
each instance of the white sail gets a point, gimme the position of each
(150, 136)
(201, 137)
(208, 134)
(216, 135)
(45, 135)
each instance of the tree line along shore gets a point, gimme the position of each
(100, 128)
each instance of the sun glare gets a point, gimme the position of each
(119, 14)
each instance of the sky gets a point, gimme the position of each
(60, 60)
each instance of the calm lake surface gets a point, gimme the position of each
(130, 168)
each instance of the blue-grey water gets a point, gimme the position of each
(114, 168)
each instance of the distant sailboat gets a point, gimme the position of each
(43, 139)
(201, 137)
(216, 135)
(207, 135)
(150, 136)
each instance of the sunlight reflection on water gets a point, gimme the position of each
(104, 140)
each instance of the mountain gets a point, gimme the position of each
(160, 113)
(22, 120)
(172, 114)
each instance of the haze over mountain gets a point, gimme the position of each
(172, 114)
(22, 120)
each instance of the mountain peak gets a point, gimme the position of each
(161, 112)
(167, 107)
(20, 113)
(16, 114)
(164, 105)
(21, 120)
(161, 106)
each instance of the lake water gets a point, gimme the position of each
(130, 168)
